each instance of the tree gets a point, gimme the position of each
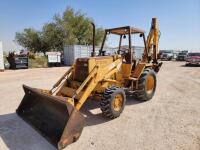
(77, 28)
(28, 38)
(69, 29)
(53, 35)
(32, 40)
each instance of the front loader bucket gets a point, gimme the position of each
(53, 117)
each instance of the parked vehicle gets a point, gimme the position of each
(175, 53)
(54, 58)
(160, 53)
(193, 58)
(182, 56)
(17, 61)
(167, 55)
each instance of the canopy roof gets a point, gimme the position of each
(124, 30)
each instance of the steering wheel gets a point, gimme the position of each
(124, 51)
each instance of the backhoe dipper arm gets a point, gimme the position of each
(152, 40)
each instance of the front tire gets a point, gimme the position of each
(146, 85)
(187, 64)
(113, 102)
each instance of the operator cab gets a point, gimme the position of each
(127, 51)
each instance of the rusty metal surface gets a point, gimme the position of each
(124, 30)
(138, 70)
(81, 69)
(72, 130)
(54, 118)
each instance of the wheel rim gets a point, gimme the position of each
(149, 83)
(118, 102)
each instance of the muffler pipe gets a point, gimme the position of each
(93, 54)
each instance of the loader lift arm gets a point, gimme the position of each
(94, 77)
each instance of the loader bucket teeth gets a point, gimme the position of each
(53, 117)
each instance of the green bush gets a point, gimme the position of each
(5, 59)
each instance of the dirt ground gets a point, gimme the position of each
(170, 121)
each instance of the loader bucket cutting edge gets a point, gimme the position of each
(53, 117)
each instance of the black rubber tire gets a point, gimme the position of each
(187, 64)
(141, 93)
(107, 100)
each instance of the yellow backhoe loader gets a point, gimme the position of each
(55, 113)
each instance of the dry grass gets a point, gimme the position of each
(38, 62)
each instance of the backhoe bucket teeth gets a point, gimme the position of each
(53, 117)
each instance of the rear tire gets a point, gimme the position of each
(113, 102)
(187, 64)
(146, 85)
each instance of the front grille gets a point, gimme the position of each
(81, 70)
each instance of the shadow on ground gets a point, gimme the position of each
(18, 135)
(98, 118)
(190, 65)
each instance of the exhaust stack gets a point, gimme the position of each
(93, 54)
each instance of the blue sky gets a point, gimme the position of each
(179, 20)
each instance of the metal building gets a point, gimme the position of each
(72, 52)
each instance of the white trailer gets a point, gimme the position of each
(54, 58)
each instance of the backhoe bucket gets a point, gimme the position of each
(53, 117)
